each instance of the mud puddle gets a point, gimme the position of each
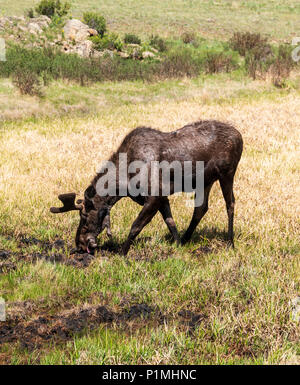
(62, 326)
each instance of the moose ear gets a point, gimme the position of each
(68, 201)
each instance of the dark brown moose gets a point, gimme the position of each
(218, 145)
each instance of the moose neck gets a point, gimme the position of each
(108, 200)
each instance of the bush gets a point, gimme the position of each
(108, 41)
(178, 63)
(53, 7)
(246, 41)
(46, 64)
(218, 62)
(29, 13)
(282, 66)
(27, 81)
(257, 62)
(188, 37)
(130, 38)
(158, 43)
(96, 21)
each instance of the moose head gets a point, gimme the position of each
(94, 217)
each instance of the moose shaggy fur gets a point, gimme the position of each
(218, 145)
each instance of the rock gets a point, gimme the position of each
(106, 52)
(84, 49)
(43, 21)
(75, 30)
(134, 45)
(17, 19)
(22, 28)
(147, 54)
(296, 309)
(97, 54)
(92, 32)
(4, 21)
(124, 55)
(42, 18)
(136, 54)
(34, 28)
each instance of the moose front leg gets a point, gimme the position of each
(166, 213)
(106, 225)
(148, 211)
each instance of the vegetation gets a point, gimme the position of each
(95, 21)
(158, 43)
(282, 66)
(107, 42)
(201, 303)
(131, 38)
(212, 19)
(245, 42)
(27, 81)
(52, 8)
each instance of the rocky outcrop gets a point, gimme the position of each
(35, 25)
(74, 39)
(77, 31)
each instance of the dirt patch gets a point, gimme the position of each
(6, 267)
(191, 319)
(55, 252)
(62, 326)
(45, 245)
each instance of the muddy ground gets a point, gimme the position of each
(34, 324)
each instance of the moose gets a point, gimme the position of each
(218, 145)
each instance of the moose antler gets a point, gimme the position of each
(68, 201)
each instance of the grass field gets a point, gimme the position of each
(276, 18)
(201, 303)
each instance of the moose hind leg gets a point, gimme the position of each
(198, 214)
(166, 213)
(148, 211)
(227, 190)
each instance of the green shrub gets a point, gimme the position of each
(53, 7)
(282, 66)
(179, 62)
(96, 21)
(29, 13)
(49, 63)
(218, 62)
(258, 61)
(246, 41)
(158, 43)
(27, 82)
(130, 38)
(188, 37)
(108, 41)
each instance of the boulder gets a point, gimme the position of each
(147, 54)
(84, 49)
(43, 21)
(133, 45)
(124, 55)
(92, 32)
(75, 30)
(34, 28)
(4, 21)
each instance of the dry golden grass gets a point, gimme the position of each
(244, 293)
